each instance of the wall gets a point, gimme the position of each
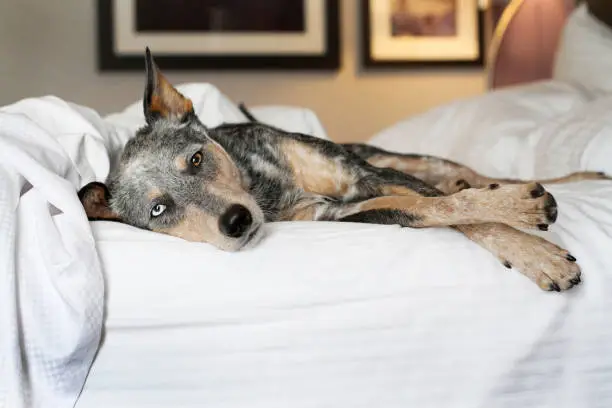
(46, 48)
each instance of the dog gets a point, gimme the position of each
(221, 185)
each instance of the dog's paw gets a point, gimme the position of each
(527, 206)
(552, 268)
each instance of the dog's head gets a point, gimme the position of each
(173, 178)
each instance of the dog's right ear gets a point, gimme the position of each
(95, 199)
(161, 99)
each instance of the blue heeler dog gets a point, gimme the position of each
(220, 186)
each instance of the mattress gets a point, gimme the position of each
(350, 315)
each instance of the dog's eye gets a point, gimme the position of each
(196, 159)
(158, 210)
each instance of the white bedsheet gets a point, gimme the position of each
(348, 315)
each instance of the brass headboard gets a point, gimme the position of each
(524, 42)
(498, 34)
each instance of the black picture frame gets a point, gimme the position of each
(109, 60)
(369, 62)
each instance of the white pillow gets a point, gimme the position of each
(290, 119)
(577, 141)
(584, 56)
(214, 108)
(490, 133)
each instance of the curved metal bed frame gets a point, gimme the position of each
(537, 58)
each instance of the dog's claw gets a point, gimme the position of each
(493, 186)
(576, 280)
(570, 258)
(555, 287)
(507, 264)
(543, 227)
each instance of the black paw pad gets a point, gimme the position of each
(570, 258)
(551, 208)
(538, 191)
(493, 186)
(555, 287)
(543, 227)
(507, 264)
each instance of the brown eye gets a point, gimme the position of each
(196, 159)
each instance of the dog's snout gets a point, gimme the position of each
(236, 221)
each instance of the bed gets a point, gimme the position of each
(318, 314)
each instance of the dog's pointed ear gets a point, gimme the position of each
(161, 99)
(95, 199)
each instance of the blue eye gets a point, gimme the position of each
(158, 210)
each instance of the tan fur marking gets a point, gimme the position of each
(196, 226)
(167, 101)
(180, 163)
(404, 164)
(399, 191)
(570, 178)
(303, 214)
(153, 194)
(580, 176)
(432, 171)
(315, 173)
(304, 210)
(228, 172)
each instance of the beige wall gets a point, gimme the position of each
(46, 48)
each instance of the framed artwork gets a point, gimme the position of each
(219, 34)
(405, 33)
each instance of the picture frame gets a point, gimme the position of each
(226, 37)
(422, 33)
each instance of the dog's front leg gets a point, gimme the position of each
(549, 266)
(522, 206)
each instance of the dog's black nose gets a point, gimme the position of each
(236, 221)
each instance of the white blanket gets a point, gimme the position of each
(51, 291)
